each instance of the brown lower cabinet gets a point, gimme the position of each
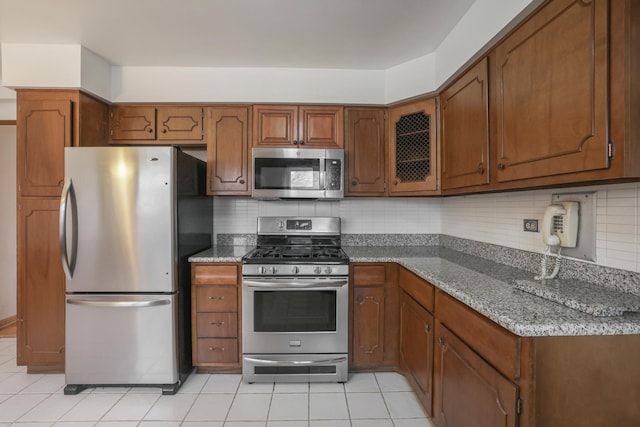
(465, 369)
(373, 325)
(40, 314)
(467, 390)
(416, 348)
(216, 333)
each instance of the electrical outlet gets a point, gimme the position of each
(530, 225)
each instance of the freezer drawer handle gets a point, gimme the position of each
(119, 304)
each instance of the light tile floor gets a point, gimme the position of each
(216, 400)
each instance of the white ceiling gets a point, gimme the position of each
(346, 34)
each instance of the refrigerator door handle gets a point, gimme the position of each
(118, 304)
(68, 196)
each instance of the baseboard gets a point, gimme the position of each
(7, 322)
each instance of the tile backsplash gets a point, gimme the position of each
(490, 218)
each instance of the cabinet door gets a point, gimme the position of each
(365, 152)
(44, 129)
(275, 125)
(40, 311)
(134, 122)
(321, 127)
(465, 130)
(551, 92)
(228, 157)
(180, 123)
(416, 348)
(467, 390)
(412, 148)
(368, 326)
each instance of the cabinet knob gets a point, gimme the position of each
(301, 142)
(395, 182)
(501, 166)
(360, 300)
(354, 183)
(164, 130)
(149, 130)
(440, 341)
(426, 327)
(480, 170)
(241, 181)
(295, 142)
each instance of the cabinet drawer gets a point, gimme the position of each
(419, 289)
(495, 344)
(216, 299)
(215, 274)
(217, 325)
(217, 350)
(367, 275)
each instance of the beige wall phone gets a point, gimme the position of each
(559, 230)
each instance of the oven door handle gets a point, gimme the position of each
(295, 362)
(316, 284)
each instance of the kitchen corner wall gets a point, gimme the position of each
(490, 218)
(7, 221)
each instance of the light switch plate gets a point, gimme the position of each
(586, 244)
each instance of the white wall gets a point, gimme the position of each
(497, 219)
(294, 85)
(7, 221)
(490, 218)
(359, 215)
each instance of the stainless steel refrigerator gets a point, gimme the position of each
(129, 219)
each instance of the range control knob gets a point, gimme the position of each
(262, 270)
(295, 270)
(328, 270)
(273, 270)
(317, 270)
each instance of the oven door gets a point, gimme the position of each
(286, 315)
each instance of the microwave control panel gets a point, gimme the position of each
(334, 176)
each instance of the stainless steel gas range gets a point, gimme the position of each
(295, 290)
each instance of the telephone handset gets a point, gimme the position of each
(560, 225)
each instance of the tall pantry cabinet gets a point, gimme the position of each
(47, 122)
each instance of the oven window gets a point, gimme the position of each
(287, 174)
(294, 311)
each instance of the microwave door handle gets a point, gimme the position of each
(295, 285)
(323, 164)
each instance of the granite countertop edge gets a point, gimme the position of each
(485, 286)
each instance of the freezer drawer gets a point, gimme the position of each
(121, 339)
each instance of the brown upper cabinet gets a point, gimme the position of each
(47, 121)
(550, 86)
(298, 126)
(228, 150)
(465, 130)
(181, 124)
(365, 151)
(412, 149)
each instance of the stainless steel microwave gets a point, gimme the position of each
(294, 173)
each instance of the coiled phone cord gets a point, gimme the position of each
(543, 264)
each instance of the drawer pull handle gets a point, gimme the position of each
(216, 348)
(426, 327)
(216, 323)
(440, 341)
(220, 298)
